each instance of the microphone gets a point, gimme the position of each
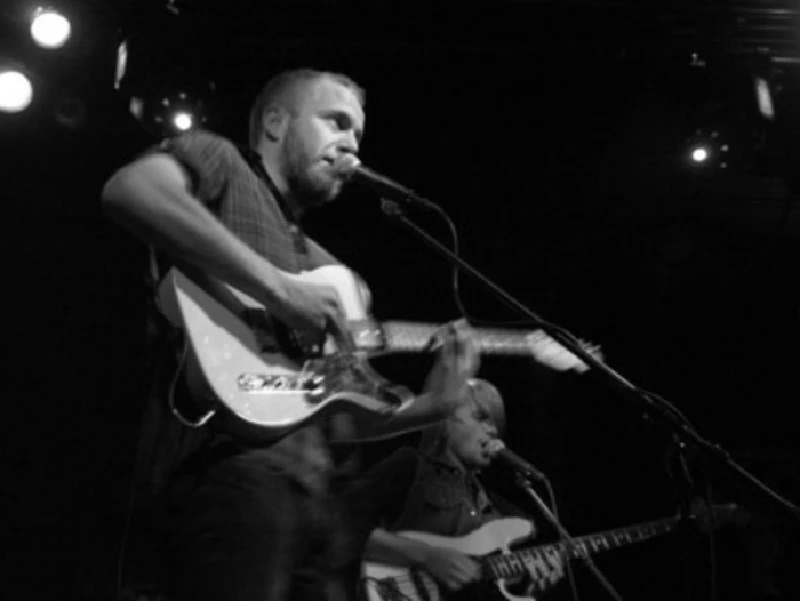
(499, 451)
(351, 167)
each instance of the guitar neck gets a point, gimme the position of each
(407, 337)
(515, 564)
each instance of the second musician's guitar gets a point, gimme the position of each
(490, 546)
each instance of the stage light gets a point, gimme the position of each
(168, 114)
(136, 108)
(700, 154)
(49, 28)
(696, 61)
(16, 91)
(121, 66)
(707, 150)
(182, 120)
(764, 98)
(179, 112)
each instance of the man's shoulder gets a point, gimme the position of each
(201, 141)
(205, 136)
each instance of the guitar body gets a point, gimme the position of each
(383, 582)
(247, 374)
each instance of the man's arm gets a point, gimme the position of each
(151, 198)
(447, 566)
(386, 547)
(423, 411)
(445, 389)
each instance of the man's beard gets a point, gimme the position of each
(307, 184)
(310, 188)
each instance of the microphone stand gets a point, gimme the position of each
(677, 467)
(525, 484)
(653, 407)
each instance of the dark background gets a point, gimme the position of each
(555, 135)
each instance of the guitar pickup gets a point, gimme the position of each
(265, 384)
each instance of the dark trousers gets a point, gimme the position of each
(242, 531)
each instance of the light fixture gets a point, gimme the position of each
(50, 28)
(121, 66)
(766, 107)
(182, 120)
(700, 153)
(169, 113)
(16, 91)
(707, 150)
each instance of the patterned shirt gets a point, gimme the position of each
(430, 494)
(233, 184)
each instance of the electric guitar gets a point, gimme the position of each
(490, 545)
(265, 379)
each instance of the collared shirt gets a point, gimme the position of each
(443, 499)
(233, 184)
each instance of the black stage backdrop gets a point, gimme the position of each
(554, 135)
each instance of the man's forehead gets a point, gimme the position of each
(326, 93)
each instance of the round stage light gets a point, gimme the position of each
(49, 28)
(16, 91)
(182, 120)
(700, 154)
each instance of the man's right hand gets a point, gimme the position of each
(451, 568)
(309, 308)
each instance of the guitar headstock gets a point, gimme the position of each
(547, 351)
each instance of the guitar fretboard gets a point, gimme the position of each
(518, 562)
(398, 336)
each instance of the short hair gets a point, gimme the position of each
(283, 88)
(481, 393)
(485, 394)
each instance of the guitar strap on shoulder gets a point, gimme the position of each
(157, 323)
(155, 319)
(253, 159)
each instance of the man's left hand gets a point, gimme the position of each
(547, 573)
(458, 361)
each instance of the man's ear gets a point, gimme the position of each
(274, 123)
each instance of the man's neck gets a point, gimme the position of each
(469, 471)
(281, 184)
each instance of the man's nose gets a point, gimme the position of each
(349, 143)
